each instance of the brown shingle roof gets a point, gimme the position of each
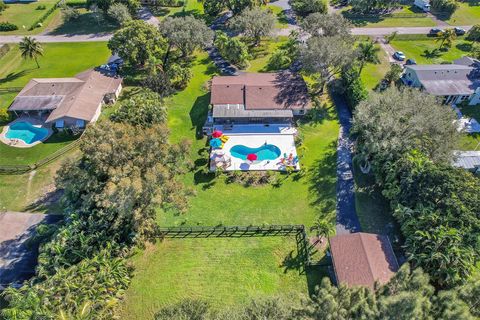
(261, 91)
(360, 259)
(76, 97)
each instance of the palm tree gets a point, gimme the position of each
(446, 38)
(323, 227)
(367, 52)
(31, 49)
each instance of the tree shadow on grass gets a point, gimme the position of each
(431, 54)
(198, 113)
(323, 180)
(85, 24)
(15, 75)
(314, 275)
(465, 47)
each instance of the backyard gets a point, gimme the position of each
(191, 7)
(372, 73)
(468, 13)
(24, 15)
(238, 268)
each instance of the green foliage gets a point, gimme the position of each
(185, 310)
(104, 5)
(160, 83)
(39, 7)
(186, 34)
(179, 76)
(3, 6)
(367, 52)
(279, 60)
(137, 42)
(326, 25)
(373, 6)
(232, 49)
(474, 33)
(254, 23)
(31, 49)
(145, 108)
(393, 74)
(119, 13)
(7, 26)
(39, 21)
(69, 13)
(445, 6)
(88, 290)
(355, 90)
(213, 7)
(446, 38)
(305, 7)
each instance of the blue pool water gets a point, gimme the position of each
(265, 152)
(26, 132)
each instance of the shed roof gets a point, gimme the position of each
(239, 111)
(360, 259)
(469, 160)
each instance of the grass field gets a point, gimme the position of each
(25, 14)
(230, 271)
(191, 7)
(372, 74)
(425, 50)
(468, 13)
(86, 23)
(263, 52)
(281, 22)
(407, 16)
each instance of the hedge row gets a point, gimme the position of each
(7, 26)
(44, 17)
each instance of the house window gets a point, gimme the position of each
(80, 123)
(59, 123)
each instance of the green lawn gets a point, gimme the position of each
(281, 22)
(407, 16)
(468, 13)
(425, 51)
(372, 74)
(230, 271)
(191, 7)
(25, 14)
(263, 52)
(85, 24)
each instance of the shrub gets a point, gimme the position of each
(474, 33)
(7, 26)
(41, 7)
(232, 50)
(355, 90)
(179, 76)
(119, 13)
(4, 49)
(252, 178)
(4, 116)
(279, 60)
(305, 7)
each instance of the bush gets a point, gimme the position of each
(4, 49)
(252, 178)
(41, 7)
(279, 60)
(7, 26)
(305, 7)
(355, 90)
(445, 6)
(4, 116)
(179, 76)
(474, 33)
(119, 13)
(232, 50)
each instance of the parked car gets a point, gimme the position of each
(410, 62)
(399, 55)
(435, 31)
(459, 31)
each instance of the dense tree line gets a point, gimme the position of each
(127, 170)
(407, 296)
(407, 139)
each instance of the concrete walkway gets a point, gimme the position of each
(347, 219)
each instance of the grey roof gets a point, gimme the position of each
(447, 79)
(469, 160)
(239, 111)
(467, 61)
(28, 103)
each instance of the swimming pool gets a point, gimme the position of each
(265, 152)
(26, 132)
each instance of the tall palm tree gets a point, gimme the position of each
(367, 52)
(323, 227)
(31, 49)
(446, 37)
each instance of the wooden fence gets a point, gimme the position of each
(20, 169)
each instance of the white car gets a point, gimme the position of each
(399, 55)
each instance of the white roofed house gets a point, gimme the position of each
(67, 102)
(454, 83)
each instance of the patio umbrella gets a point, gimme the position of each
(252, 157)
(217, 134)
(215, 143)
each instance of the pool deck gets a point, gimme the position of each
(254, 136)
(17, 143)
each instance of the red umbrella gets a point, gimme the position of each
(252, 157)
(217, 134)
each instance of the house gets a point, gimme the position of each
(361, 259)
(67, 102)
(257, 98)
(423, 5)
(453, 83)
(468, 160)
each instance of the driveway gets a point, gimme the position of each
(347, 219)
(18, 260)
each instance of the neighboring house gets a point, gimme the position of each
(454, 83)
(257, 98)
(423, 5)
(361, 259)
(468, 160)
(67, 102)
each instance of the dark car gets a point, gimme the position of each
(435, 31)
(459, 31)
(410, 62)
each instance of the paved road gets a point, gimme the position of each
(347, 219)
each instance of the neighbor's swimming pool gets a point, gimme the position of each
(26, 132)
(265, 152)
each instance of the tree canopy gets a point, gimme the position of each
(254, 23)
